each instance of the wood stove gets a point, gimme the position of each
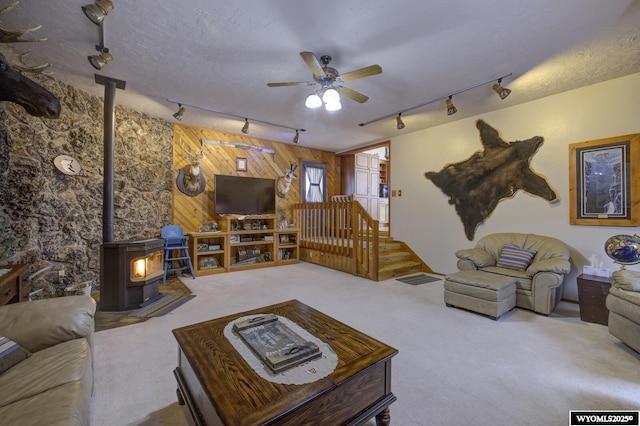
(130, 273)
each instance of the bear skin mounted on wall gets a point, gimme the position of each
(476, 185)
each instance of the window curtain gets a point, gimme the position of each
(314, 182)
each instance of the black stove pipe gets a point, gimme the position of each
(107, 183)
(110, 86)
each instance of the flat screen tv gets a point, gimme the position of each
(244, 195)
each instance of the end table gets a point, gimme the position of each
(14, 286)
(592, 295)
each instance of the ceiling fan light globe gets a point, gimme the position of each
(331, 96)
(313, 101)
(333, 106)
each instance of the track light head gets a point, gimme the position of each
(99, 61)
(245, 128)
(450, 108)
(96, 12)
(399, 122)
(296, 138)
(503, 92)
(178, 115)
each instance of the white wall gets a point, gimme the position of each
(423, 218)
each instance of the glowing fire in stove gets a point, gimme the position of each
(146, 267)
(139, 268)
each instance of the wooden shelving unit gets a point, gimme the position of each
(287, 246)
(207, 251)
(384, 166)
(243, 242)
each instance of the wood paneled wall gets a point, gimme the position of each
(192, 212)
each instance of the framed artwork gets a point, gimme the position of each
(241, 164)
(604, 182)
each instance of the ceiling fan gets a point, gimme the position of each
(327, 77)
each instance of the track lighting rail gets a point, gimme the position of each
(247, 120)
(439, 98)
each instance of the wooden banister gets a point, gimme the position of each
(343, 229)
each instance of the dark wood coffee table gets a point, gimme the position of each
(220, 388)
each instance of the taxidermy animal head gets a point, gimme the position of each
(190, 180)
(284, 182)
(14, 86)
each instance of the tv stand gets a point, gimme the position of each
(243, 242)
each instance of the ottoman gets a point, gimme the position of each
(481, 292)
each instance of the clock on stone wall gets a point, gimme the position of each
(67, 165)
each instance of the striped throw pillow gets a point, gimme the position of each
(512, 257)
(11, 353)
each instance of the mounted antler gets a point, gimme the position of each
(190, 180)
(284, 182)
(16, 36)
(16, 88)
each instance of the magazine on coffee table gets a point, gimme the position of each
(275, 344)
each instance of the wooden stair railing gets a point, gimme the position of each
(344, 229)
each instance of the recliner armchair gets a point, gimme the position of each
(623, 302)
(540, 286)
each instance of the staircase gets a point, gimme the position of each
(342, 235)
(396, 259)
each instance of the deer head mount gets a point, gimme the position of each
(14, 86)
(190, 179)
(284, 182)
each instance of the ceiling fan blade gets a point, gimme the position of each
(361, 73)
(290, 83)
(312, 63)
(350, 93)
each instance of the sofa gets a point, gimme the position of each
(537, 268)
(623, 302)
(46, 368)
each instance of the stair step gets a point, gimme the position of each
(398, 265)
(389, 246)
(399, 269)
(394, 256)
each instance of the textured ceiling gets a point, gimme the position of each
(221, 55)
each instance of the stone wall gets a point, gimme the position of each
(54, 221)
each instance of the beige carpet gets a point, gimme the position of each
(453, 367)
